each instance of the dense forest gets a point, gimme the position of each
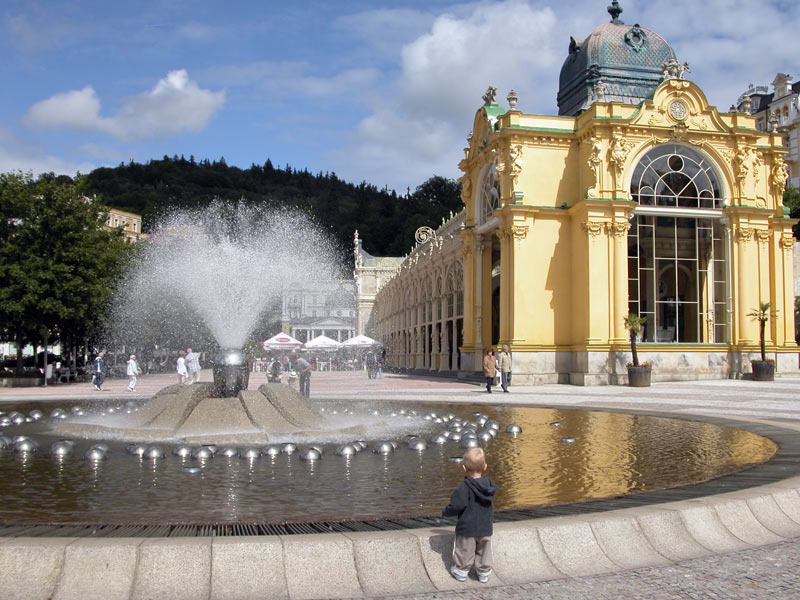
(386, 221)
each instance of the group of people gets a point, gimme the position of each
(188, 366)
(293, 363)
(497, 365)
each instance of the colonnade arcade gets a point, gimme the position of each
(421, 315)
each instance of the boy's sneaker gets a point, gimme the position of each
(483, 577)
(457, 575)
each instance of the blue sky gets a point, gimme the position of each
(375, 90)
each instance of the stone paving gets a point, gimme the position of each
(769, 572)
(764, 572)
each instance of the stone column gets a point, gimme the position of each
(744, 284)
(619, 232)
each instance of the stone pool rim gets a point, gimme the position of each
(764, 509)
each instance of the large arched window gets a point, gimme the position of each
(677, 259)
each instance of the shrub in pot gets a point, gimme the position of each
(763, 370)
(638, 374)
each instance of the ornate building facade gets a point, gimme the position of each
(639, 197)
(778, 110)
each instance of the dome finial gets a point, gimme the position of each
(615, 10)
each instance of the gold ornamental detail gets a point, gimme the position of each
(619, 228)
(762, 235)
(787, 242)
(745, 234)
(592, 228)
(519, 232)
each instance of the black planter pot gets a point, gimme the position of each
(639, 376)
(763, 370)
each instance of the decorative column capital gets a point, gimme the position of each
(744, 234)
(618, 229)
(762, 235)
(787, 242)
(592, 228)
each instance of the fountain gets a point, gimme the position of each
(215, 450)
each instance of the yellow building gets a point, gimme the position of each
(639, 197)
(130, 224)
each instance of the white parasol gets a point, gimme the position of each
(282, 341)
(322, 342)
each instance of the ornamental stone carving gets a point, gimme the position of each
(745, 234)
(762, 235)
(519, 232)
(466, 189)
(619, 228)
(515, 162)
(779, 177)
(594, 161)
(787, 242)
(592, 228)
(672, 69)
(489, 96)
(512, 99)
(618, 153)
(678, 110)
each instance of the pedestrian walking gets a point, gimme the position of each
(489, 369)
(133, 372)
(504, 362)
(99, 371)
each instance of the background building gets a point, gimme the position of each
(130, 224)
(778, 110)
(322, 308)
(639, 197)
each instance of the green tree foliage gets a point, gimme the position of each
(57, 264)
(385, 221)
(791, 199)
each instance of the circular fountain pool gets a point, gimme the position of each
(560, 456)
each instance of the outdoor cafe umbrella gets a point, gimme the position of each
(322, 342)
(282, 341)
(360, 341)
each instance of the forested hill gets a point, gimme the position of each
(385, 221)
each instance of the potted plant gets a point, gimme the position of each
(763, 370)
(638, 374)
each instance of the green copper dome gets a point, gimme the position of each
(626, 59)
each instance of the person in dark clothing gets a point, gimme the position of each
(473, 503)
(99, 371)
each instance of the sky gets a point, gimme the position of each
(374, 90)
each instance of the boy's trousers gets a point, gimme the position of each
(473, 551)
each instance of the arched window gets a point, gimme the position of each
(451, 296)
(489, 198)
(677, 261)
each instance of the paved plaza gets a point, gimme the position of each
(759, 571)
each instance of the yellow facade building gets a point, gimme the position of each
(639, 197)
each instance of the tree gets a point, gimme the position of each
(57, 264)
(634, 324)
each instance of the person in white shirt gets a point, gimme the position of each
(133, 371)
(193, 365)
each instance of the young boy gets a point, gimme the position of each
(473, 503)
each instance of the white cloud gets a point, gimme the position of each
(39, 162)
(176, 105)
(416, 127)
